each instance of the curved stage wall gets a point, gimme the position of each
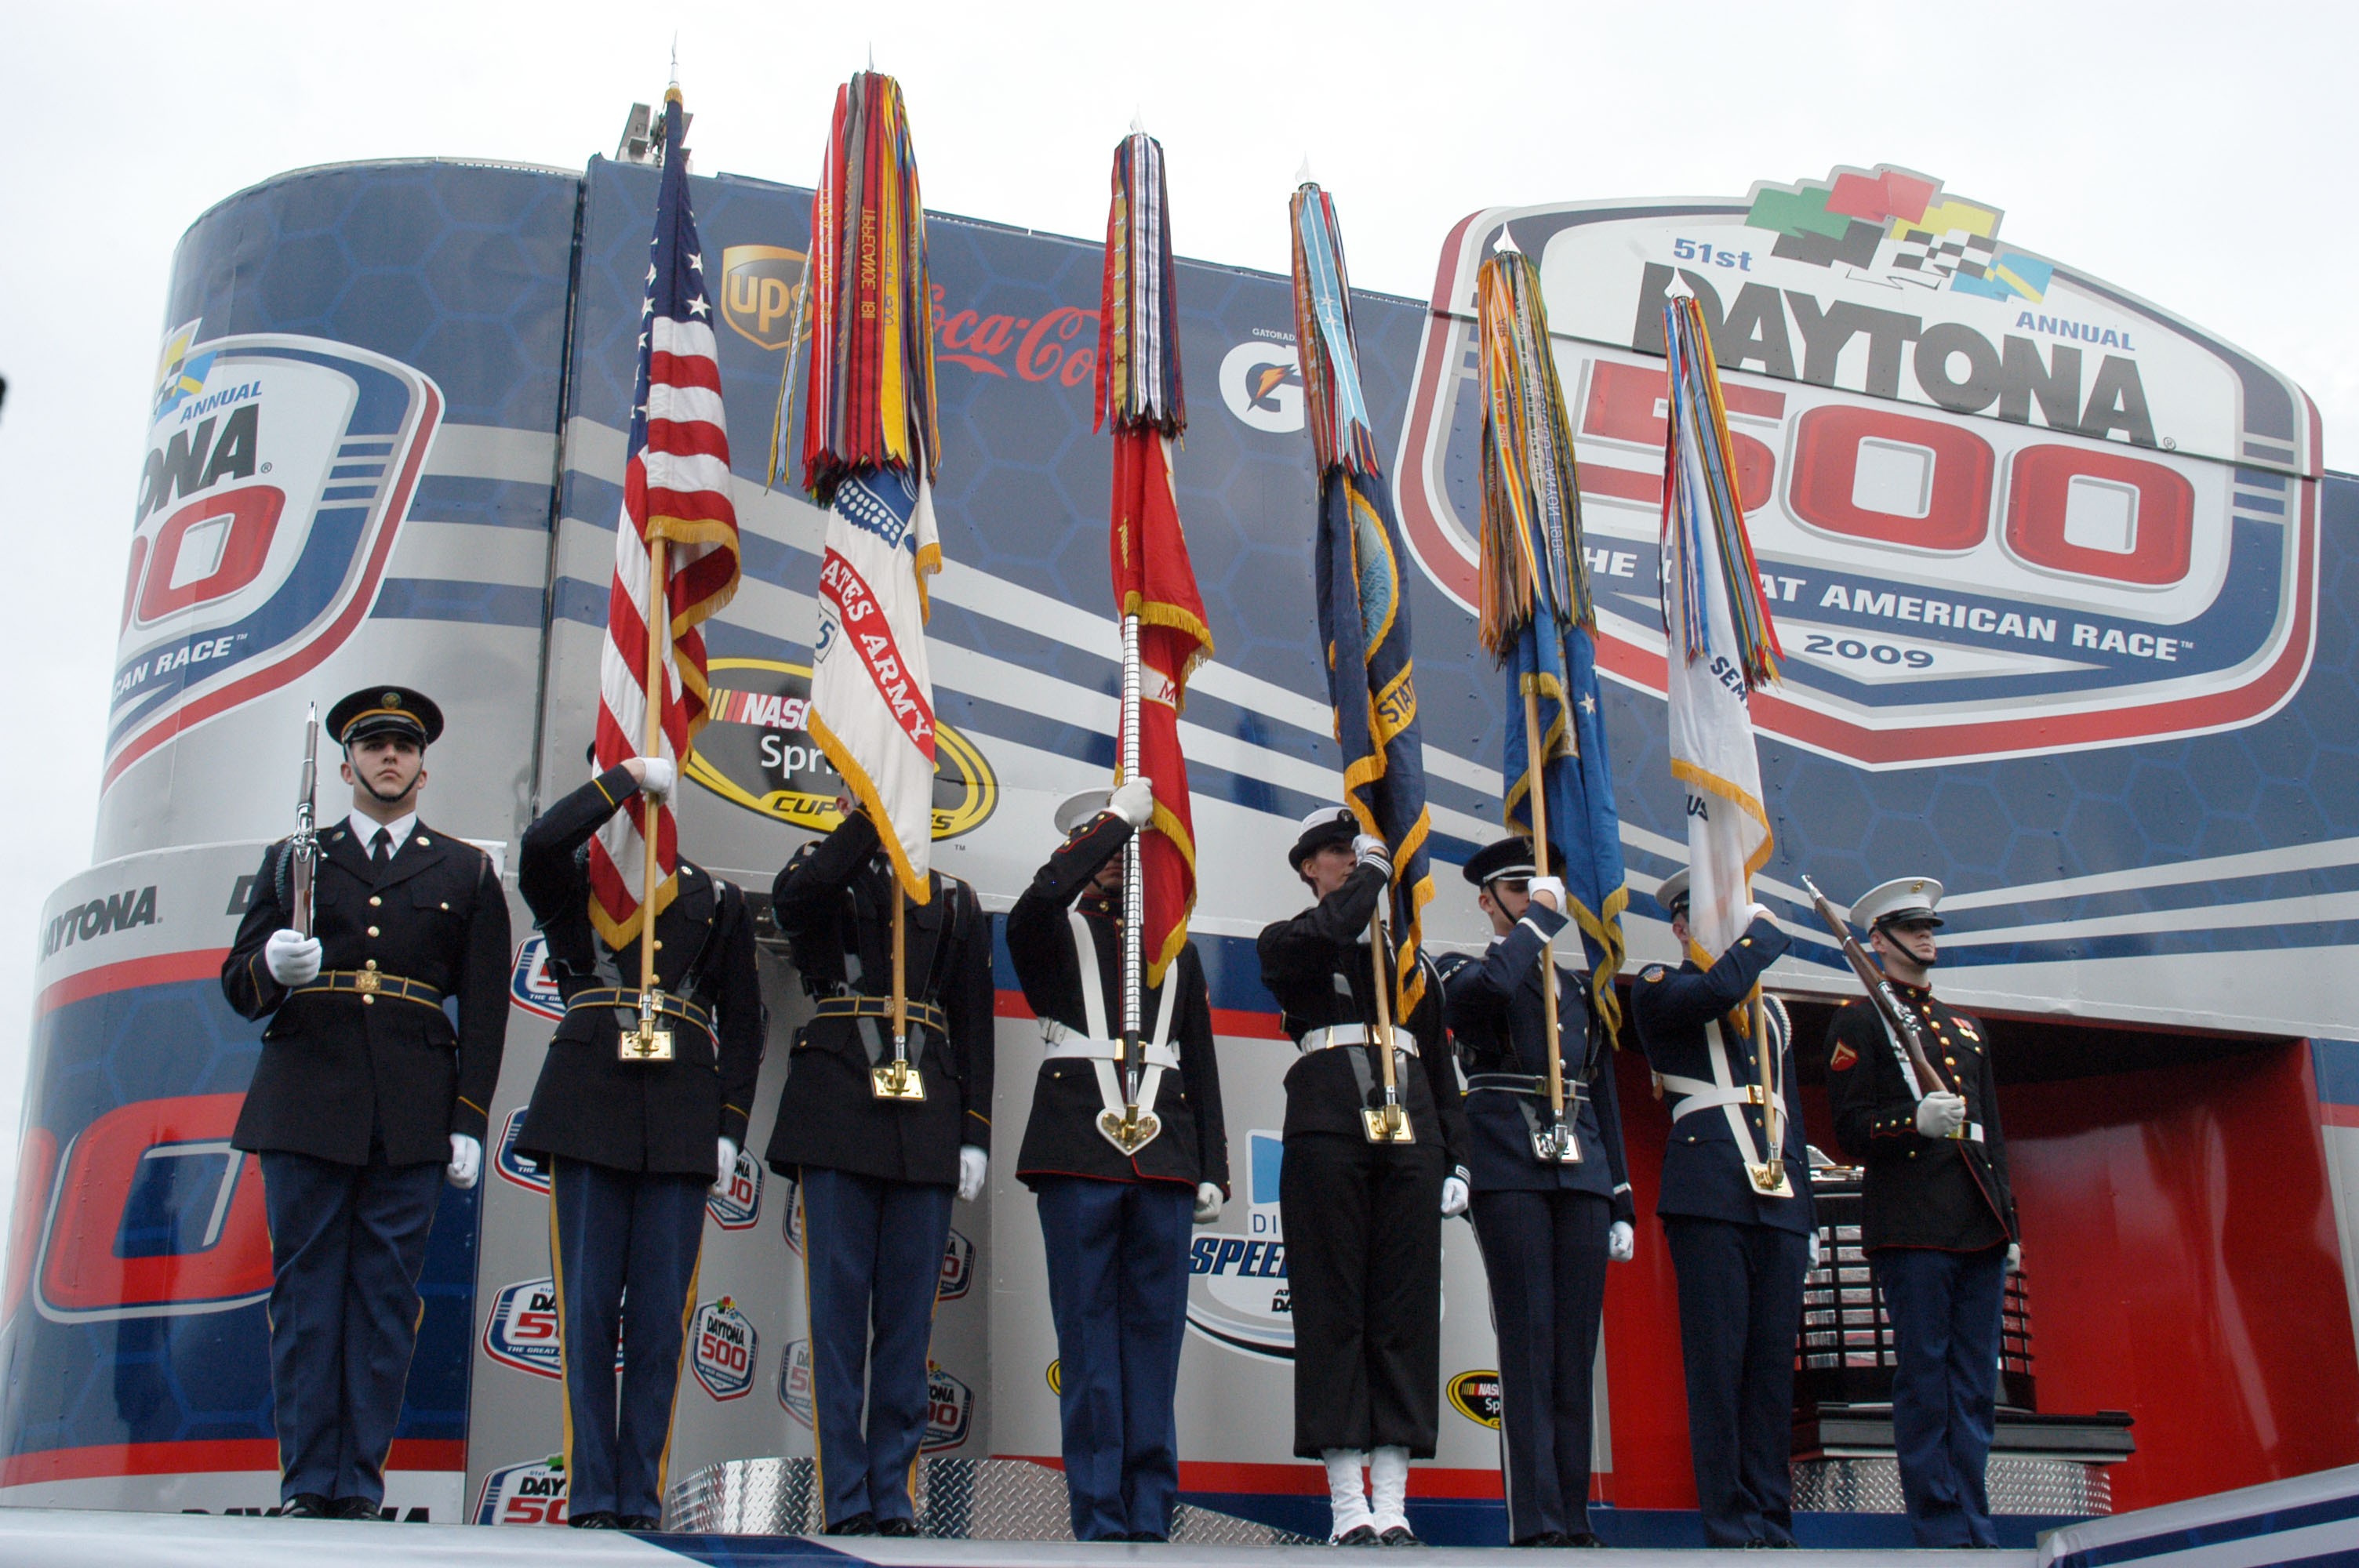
(390, 447)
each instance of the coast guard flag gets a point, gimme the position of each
(1721, 642)
(869, 451)
(674, 489)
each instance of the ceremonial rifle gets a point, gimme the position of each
(303, 849)
(1900, 1023)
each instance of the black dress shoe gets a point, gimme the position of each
(642, 1522)
(1545, 1538)
(858, 1524)
(1400, 1535)
(1582, 1538)
(307, 1504)
(1358, 1535)
(901, 1527)
(596, 1519)
(1148, 1537)
(355, 1508)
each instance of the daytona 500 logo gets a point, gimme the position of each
(278, 469)
(1999, 507)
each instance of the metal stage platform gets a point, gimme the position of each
(2312, 1519)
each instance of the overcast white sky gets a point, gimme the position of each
(2198, 155)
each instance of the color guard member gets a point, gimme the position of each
(1546, 1226)
(1116, 1224)
(365, 1098)
(633, 1146)
(1363, 1220)
(1939, 1224)
(1739, 1254)
(877, 1175)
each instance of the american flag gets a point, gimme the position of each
(676, 489)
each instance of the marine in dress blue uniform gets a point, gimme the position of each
(1546, 1226)
(1938, 1220)
(632, 1147)
(1115, 1225)
(1739, 1254)
(877, 1177)
(1363, 1220)
(366, 1095)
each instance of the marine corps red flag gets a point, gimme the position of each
(870, 447)
(1139, 389)
(675, 555)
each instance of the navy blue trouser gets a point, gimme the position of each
(1118, 1289)
(616, 1232)
(1944, 1308)
(873, 1253)
(1740, 1309)
(346, 1245)
(1544, 1253)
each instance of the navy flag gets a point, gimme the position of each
(1363, 600)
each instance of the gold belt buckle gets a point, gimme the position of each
(366, 982)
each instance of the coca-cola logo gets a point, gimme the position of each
(1059, 345)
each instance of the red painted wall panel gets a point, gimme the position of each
(2182, 1258)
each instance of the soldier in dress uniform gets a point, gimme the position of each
(1740, 1253)
(366, 1098)
(633, 1146)
(1115, 1225)
(1545, 1225)
(1939, 1224)
(877, 1175)
(1363, 1220)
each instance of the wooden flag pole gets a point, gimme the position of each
(650, 1044)
(1388, 1123)
(1556, 1141)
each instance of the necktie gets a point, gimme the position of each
(381, 850)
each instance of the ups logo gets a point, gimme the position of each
(757, 292)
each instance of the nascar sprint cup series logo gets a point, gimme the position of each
(1999, 507)
(278, 469)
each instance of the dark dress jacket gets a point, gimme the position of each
(1061, 1139)
(1498, 1018)
(1703, 1167)
(340, 1072)
(833, 902)
(1317, 966)
(1945, 1193)
(590, 1104)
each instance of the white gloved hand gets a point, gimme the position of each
(2014, 1257)
(1454, 1198)
(292, 958)
(1754, 912)
(1939, 1114)
(1621, 1241)
(1814, 1249)
(467, 1161)
(973, 1165)
(1208, 1202)
(1548, 892)
(1371, 850)
(656, 776)
(1134, 802)
(727, 1165)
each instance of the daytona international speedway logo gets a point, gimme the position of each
(279, 470)
(1238, 1296)
(1999, 507)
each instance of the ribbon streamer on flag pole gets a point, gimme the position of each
(1164, 636)
(1539, 620)
(871, 443)
(676, 563)
(1363, 623)
(1722, 648)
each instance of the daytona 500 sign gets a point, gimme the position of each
(1999, 507)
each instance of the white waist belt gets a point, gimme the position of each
(1065, 1042)
(1354, 1034)
(1696, 1095)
